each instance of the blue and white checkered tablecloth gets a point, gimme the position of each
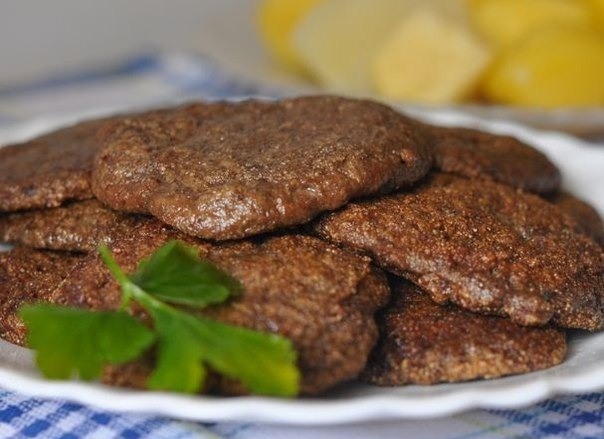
(573, 417)
(156, 79)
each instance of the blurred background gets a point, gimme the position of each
(38, 39)
(540, 62)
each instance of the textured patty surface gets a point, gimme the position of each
(28, 276)
(422, 342)
(229, 170)
(481, 155)
(319, 296)
(48, 170)
(483, 246)
(583, 213)
(78, 226)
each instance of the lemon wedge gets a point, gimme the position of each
(431, 57)
(597, 9)
(552, 68)
(337, 39)
(503, 22)
(276, 20)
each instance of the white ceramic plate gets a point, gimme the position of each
(229, 37)
(583, 168)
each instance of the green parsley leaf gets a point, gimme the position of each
(179, 365)
(78, 342)
(176, 274)
(264, 362)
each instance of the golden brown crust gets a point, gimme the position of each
(92, 285)
(48, 170)
(78, 226)
(422, 342)
(477, 154)
(583, 213)
(28, 276)
(483, 246)
(229, 170)
(319, 296)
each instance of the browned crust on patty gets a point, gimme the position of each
(92, 286)
(77, 226)
(477, 154)
(319, 296)
(587, 218)
(48, 170)
(422, 342)
(28, 276)
(483, 246)
(229, 170)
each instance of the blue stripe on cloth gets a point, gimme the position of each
(132, 66)
(189, 74)
(22, 417)
(145, 81)
(573, 417)
(197, 76)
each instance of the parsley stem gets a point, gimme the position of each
(129, 289)
(112, 264)
(118, 274)
(147, 301)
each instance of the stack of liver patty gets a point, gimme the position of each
(308, 202)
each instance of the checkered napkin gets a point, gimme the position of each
(22, 417)
(157, 79)
(573, 417)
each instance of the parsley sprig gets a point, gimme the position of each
(74, 342)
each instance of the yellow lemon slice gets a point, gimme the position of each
(431, 57)
(597, 9)
(503, 22)
(337, 39)
(552, 68)
(276, 21)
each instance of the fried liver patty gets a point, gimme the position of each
(484, 246)
(422, 342)
(583, 213)
(78, 226)
(320, 297)
(504, 159)
(229, 170)
(48, 170)
(28, 276)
